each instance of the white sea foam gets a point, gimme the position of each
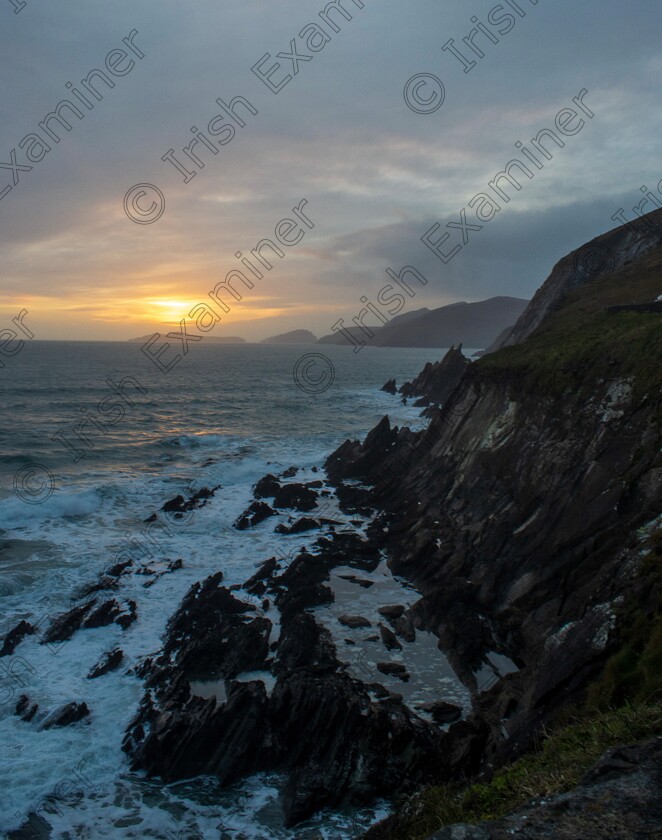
(95, 517)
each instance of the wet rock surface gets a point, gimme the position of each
(254, 514)
(25, 709)
(109, 662)
(15, 637)
(65, 715)
(336, 740)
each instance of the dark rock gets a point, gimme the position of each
(354, 621)
(24, 709)
(404, 628)
(394, 669)
(290, 472)
(389, 639)
(210, 633)
(364, 584)
(383, 693)
(255, 513)
(267, 487)
(355, 460)
(109, 662)
(65, 716)
(390, 387)
(437, 381)
(176, 505)
(296, 496)
(103, 615)
(34, 827)
(15, 637)
(66, 624)
(299, 527)
(118, 569)
(104, 583)
(264, 572)
(441, 711)
(318, 727)
(179, 505)
(391, 611)
(173, 566)
(127, 618)
(303, 584)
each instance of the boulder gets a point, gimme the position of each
(354, 621)
(15, 637)
(255, 513)
(109, 662)
(65, 716)
(296, 496)
(394, 669)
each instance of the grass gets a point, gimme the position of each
(564, 758)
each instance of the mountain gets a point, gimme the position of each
(211, 339)
(471, 324)
(293, 337)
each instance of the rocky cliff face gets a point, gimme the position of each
(516, 512)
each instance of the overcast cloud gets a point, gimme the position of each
(375, 174)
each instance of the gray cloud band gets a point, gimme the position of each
(36, 145)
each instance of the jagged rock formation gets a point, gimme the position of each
(315, 722)
(437, 381)
(515, 512)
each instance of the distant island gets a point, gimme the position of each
(293, 337)
(212, 339)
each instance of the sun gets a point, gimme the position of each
(168, 310)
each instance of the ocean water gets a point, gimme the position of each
(70, 505)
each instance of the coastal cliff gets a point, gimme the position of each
(523, 511)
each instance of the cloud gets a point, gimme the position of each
(375, 174)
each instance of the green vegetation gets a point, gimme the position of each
(564, 758)
(581, 342)
(623, 706)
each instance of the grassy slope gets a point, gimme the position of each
(581, 342)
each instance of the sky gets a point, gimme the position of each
(92, 255)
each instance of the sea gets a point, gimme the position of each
(72, 504)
